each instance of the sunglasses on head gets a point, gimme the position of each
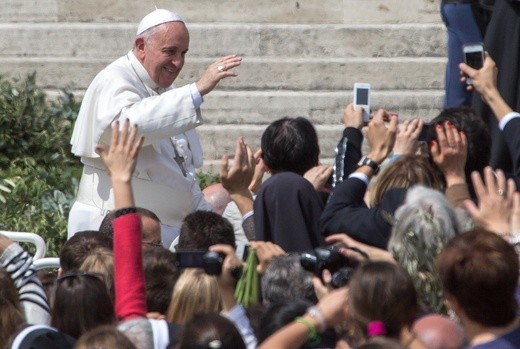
(71, 275)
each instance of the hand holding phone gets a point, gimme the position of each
(362, 99)
(473, 56)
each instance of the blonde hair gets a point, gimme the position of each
(194, 293)
(101, 261)
(404, 172)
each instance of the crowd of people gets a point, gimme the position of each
(411, 245)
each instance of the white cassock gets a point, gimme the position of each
(167, 118)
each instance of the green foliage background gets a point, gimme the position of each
(38, 173)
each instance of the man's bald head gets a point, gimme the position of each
(217, 197)
(439, 332)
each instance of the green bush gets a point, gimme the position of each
(38, 173)
(206, 179)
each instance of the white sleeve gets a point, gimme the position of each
(112, 97)
(165, 115)
(238, 316)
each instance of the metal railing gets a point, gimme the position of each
(47, 263)
(36, 240)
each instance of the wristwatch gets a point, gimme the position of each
(366, 161)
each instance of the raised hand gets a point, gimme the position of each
(318, 176)
(218, 70)
(120, 159)
(380, 137)
(237, 178)
(449, 153)
(407, 139)
(495, 201)
(353, 117)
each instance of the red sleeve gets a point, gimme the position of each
(128, 268)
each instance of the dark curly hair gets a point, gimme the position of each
(479, 140)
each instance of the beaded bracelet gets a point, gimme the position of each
(312, 337)
(317, 315)
(123, 211)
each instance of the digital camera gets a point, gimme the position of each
(330, 258)
(210, 261)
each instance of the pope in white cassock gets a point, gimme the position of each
(138, 86)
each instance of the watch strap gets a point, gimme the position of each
(366, 161)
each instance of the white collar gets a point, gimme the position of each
(141, 72)
(161, 335)
(21, 336)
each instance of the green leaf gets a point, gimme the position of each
(37, 169)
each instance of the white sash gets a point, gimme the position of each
(169, 204)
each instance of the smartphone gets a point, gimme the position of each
(242, 251)
(362, 99)
(473, 56)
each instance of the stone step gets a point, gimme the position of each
(261, 11)
(213, 166)
(256, 73)
(217, 140)
(110, 40)
(29, 11)
(229, 114)
(321, 107)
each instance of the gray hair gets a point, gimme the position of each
(139, 331)
(423, 225)
(148, 34)
(285, 280)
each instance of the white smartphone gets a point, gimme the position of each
(362, 98)
(473, 56)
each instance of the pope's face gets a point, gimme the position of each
(162, 55)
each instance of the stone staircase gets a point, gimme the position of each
(300, 58)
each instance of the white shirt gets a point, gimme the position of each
(165, 117)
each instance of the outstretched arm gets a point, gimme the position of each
(484, 81)
(348, 150)
(333, 310)
(120, 160)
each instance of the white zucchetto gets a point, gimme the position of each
(157, 17)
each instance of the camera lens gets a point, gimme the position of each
(341, 277)
(309, 262)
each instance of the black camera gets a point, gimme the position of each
(210, 261)
(330, 258)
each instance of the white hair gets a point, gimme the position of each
(423, 225)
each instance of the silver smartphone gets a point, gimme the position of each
(362, 99)
(473, 56)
